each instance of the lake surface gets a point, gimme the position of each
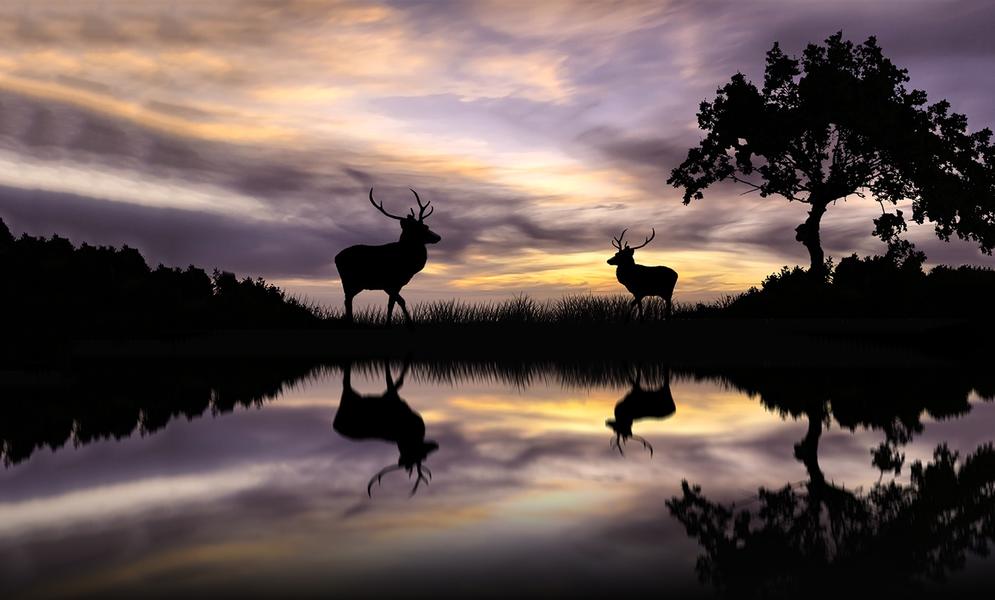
(175, 484)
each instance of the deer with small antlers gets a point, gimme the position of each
(388, 267)
(642, 281)
(640, 404)
(389, 418)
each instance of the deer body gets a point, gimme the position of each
(643, 281)
(388, 267)
(405, 257)
(640, 280)
(388, 418)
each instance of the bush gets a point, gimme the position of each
(51, 286)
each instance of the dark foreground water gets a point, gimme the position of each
(239, 484)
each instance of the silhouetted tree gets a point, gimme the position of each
(840, 122)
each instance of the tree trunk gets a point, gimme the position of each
(807, 450)
(808, 234)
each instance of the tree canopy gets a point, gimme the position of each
(839, 122)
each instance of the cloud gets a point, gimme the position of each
(537, 130)
(176, 237)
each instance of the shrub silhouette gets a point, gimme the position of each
(51, 286)
(893, 285)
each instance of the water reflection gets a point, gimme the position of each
(389, 418)
(821, 538)
(824, 539)
(526, 498)
(637, 405)
(93, 402)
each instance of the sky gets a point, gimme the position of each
(246, 135)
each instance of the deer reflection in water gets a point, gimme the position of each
(640, 404)
(389, 418)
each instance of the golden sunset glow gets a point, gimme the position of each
(538, 130)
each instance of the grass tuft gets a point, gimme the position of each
(524, 310)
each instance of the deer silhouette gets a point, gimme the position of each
(388, 267)
(640, 404)
(642, 281)
(389, 418)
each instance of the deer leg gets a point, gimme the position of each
(632, 306)
(404, 307)
(390, 308)
(670, 305)
(349, 295)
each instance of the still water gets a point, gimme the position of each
(258, 482)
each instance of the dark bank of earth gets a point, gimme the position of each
(698, 342)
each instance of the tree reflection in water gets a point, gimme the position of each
(822, 539)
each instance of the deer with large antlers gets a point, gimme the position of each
(642, 281)
(389, 418)
(388, 267)
(637, 405)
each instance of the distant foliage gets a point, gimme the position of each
(893, 285)
(51, 285)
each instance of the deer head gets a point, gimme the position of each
(624, 256)
(413, 229)
(623, 433)
(411, 460)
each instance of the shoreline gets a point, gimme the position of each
(691, 342)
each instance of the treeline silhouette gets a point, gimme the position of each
(91, 402)
(873, 286)
(51, 285)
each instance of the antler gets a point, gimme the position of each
(422, 472)
(645, 444)
(421, 209)
(379, 477)
(381, 208)
(421, 477)
(648, 240)
(619, 440)
(616, 442)
(617, 242)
